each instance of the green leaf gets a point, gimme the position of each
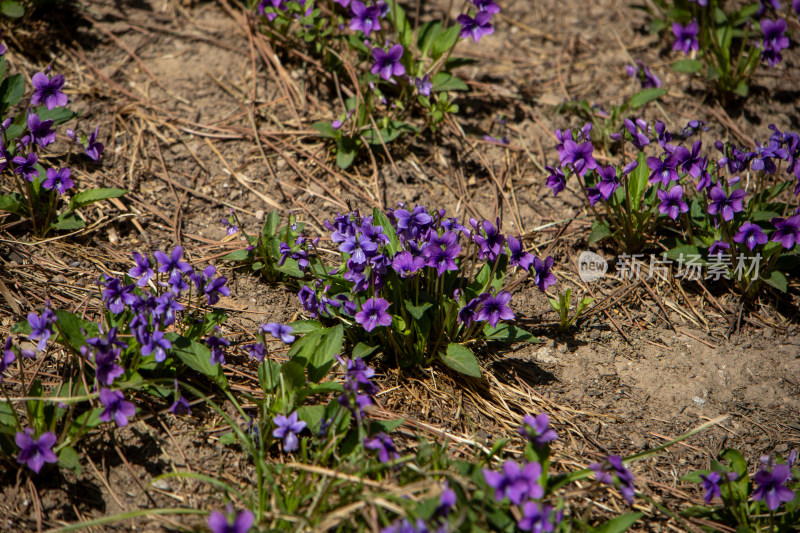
(777, 280)
(326, 130)
(270, 227)
(638, 181)
(742, 89)
(72, 329)
(93, 195)
(346, 151)
(58, 115)
(618, 524)
(686, 253)
(69, 220)
(687, 66)
(444, 41)
(312, 415)
(462, 360)
(447, 82)
(427, 33)
(11, 91)
(387, 426)
(507, 333)
(68, 458)
(36, 407)
(291, 268)
(303, 349)
(363, 350)
(600, 231)
(646, 96)
(323, 357)
(12, 9)
(86, 421)
(302, 327)
(269, 373)
(380, 219)
(417, 311)
(294, 377)
(226, 439)
(13, 203)
(237, 255)
(197, 357)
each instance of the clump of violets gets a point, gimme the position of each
(700, 195)
(413, 265)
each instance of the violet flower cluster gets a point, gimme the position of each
(21, 158)
(683, 174)
(419, 258)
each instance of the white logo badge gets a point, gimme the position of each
(591, 266)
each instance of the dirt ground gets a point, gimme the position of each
(199, 116)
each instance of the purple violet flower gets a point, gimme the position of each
(257, 351)
(517, 256)
(608, 181)
(686, 37)
(538, 430)
(487, 5)
(142, 270)
(643, 74)
(180, 406)
(672, 202)
(35, 452)
(217, 345)
(475, 27)
(424, 85)
(611, 469)
(774, 41)
(495, 308)
(26, 166)
(373, 313)
(47, 91)
(40, 131)
(770, 486)
(717, 248)
(58, 179)
(279, 331)
(9, 356)
(543, 278)
(516, 482)
(406, 264)
(117, 296)
(366, 19)
(721, 203)
(286, 428)
(41, 327)
(158, 344)
(750, 234)
(93, 148)
(385, 446)
(578, 155)
(538, 518)
(787, 231)
(219, 523)
(490, 242)
(441, 252)
(387, 63)
(115, 407)
(664, 170)
(711, 486)
(173, 262)
(556, 180)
